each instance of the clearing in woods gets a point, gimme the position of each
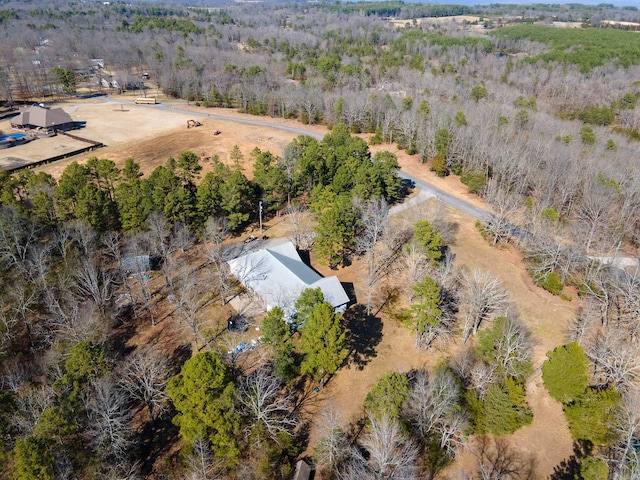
(150, 136)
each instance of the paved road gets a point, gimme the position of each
(426, 188)
(421, 184)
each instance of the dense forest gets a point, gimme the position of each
(541, 122)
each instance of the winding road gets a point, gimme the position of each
(428, 190)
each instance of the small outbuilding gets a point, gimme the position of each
(303, 471)
(140, 263)
(37, 116)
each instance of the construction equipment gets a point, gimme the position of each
(193, 123)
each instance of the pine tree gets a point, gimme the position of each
(565, 372)
(323, 342)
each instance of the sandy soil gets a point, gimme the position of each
(150, 136)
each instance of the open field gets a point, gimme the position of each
(150, 135)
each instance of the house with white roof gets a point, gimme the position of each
(277, 275)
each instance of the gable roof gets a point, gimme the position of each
(38, 116)
(278, 275)
(303, 471)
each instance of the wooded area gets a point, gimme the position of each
(542, 123)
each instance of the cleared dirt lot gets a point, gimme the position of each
(150, 135)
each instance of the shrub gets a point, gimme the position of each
(594, 469)
(439, 165)
(387, 395)
(550, 214)
(376, 139)
(587, 135)
(475, 181)
(565, 372)
(597, 115)
(591, 415)
(503, 410)
(551, 283)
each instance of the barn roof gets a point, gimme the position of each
(278, 275)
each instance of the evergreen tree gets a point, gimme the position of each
(238, 199)
(591, 415)
(74, 178)
(204, 395)
(439, 165)
(133, 198)
(428, 240)
(387, 396)
(565, 372)
(33, 459)
(275, 330)
(270, 178)
(335, 232)
(187, 168)
(424, 313)
(306, 302)
(323, 342)
(209, 193)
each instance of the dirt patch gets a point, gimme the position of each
(152, 134)
(547, 317)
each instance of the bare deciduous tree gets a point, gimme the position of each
(626, 458)
(431, 404)
(482, 376)
(216, 231)
(511, 349)
(144, 377)
(503, 207)
(498, 461)
(265, 400)
(392, 456)
(374, 222)
(109, 417)
(201, 463)
(93, 283)
(616, 361)
(483, 296)
(302, 231)
(17, 237)
(333, 450)
(187, 292)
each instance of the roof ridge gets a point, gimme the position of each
(277, 256)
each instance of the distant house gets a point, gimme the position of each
(277, 275)
(37, 116)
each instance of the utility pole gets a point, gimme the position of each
(260, 213)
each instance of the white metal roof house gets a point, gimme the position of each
(278, 276)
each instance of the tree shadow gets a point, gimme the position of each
(569, 469)
(181, 354)
(365, 333)
(406, 187)
(157, 441)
